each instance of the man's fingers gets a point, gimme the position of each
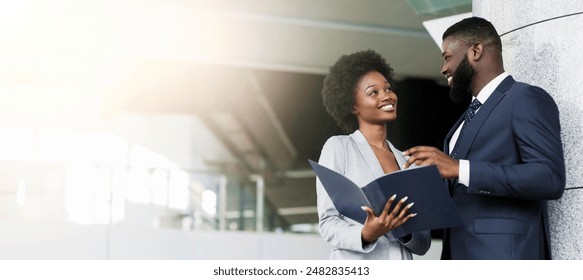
(418, 161)
(423, 158)
(412, 150)
(417, 149)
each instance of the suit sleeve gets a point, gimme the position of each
(540, 171)
(419, 243)
(337, 230)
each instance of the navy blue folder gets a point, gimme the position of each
(423, 185)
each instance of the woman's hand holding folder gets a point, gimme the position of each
(389, 219)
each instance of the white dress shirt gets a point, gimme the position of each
(483, 95)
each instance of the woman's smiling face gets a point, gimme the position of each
(375, 102)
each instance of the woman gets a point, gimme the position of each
(358, 94)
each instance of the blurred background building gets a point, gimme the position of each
(182, 129)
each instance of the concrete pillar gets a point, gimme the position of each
(223, 203)
(541, 43)
(259, 206)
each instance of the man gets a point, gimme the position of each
(503, 159)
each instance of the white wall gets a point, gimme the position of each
(28, 240)
(61, 241)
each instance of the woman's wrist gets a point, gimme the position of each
(366, 241)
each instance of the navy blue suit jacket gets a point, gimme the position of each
(514, 147)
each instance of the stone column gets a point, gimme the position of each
(541, 42)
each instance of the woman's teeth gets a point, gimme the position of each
(389, 107)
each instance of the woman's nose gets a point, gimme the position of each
(385, 95)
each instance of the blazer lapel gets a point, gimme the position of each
(471, 130)
(398, 155)
(367, 153)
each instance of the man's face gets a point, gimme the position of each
(457, 69)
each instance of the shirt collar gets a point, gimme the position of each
(490, 87)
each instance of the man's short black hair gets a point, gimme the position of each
(473, 29)
(338, 92)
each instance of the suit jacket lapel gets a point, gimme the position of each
(471, 130)
(450, 134)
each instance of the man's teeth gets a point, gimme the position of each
(388, 107)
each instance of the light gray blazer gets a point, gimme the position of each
(352, 156)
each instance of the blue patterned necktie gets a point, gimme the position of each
(470, 112)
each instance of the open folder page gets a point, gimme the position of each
(423, 185)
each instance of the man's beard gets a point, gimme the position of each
(462, 77)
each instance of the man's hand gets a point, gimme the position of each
(424, 155)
